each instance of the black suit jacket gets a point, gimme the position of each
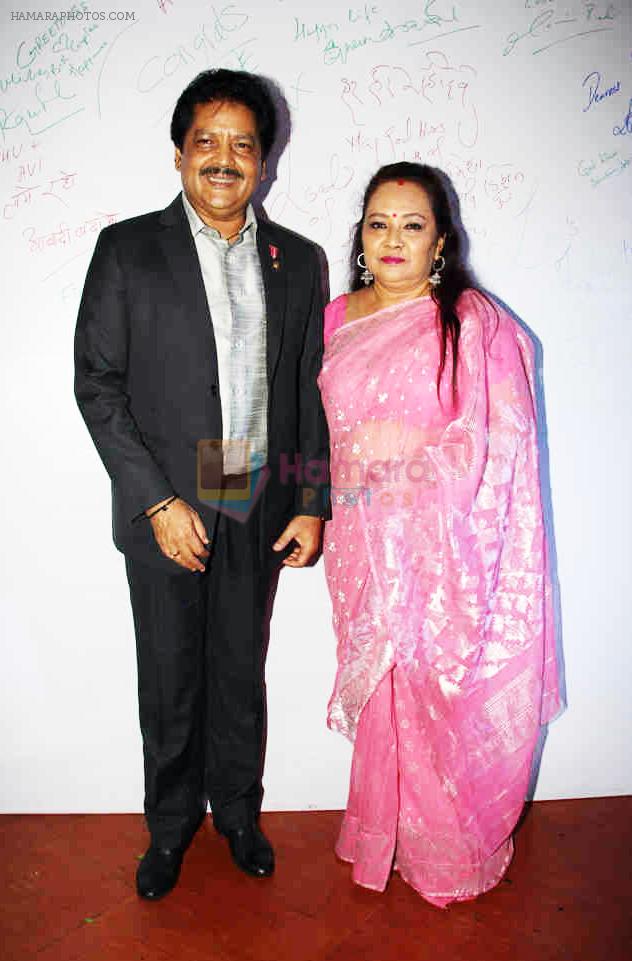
(146, 377)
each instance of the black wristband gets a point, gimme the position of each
(163, 507)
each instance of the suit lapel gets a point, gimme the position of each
(179, 246)
(274, 274)
(183, 262)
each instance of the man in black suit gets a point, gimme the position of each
(198, 342)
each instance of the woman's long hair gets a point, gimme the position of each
(456, 276)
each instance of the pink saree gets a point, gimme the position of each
(437, 569)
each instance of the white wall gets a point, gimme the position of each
(497, 95)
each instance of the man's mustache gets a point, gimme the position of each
(221, 171)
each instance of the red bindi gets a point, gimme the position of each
(394, 215)
(400, 183)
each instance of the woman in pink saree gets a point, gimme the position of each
(435, 556)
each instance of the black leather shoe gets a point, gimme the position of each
(158, 872)
(251, 851)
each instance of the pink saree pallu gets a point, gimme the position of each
(437, 568)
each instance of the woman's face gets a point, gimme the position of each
(399, 235)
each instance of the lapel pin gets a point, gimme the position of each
(274, 253)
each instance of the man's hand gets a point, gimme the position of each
(306, 531)
(180, 534)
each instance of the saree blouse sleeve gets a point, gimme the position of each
(334, 315)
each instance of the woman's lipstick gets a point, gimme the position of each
(392, 260)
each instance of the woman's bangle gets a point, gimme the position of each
(163, 507)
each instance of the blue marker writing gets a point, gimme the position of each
(626, 126)
(595, 95)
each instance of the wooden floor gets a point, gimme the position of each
(68, 895)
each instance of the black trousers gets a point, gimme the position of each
(201, 644)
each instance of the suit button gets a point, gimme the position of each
(213, 390)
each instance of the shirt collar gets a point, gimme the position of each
(197, 224)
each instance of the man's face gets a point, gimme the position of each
(220, 162)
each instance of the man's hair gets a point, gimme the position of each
(227, 86)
